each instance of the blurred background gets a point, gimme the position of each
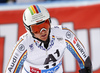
(81, 16)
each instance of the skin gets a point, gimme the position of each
(43, 35)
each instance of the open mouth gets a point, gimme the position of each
(44, 35)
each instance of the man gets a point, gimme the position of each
(41, 48)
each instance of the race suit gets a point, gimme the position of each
(30, 55)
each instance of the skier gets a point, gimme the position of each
(41, 48)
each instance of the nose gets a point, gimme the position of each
(43, 29)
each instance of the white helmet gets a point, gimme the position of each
(35, 14)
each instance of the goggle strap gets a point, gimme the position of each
(40, 22)
(50, 20)
(28, 28)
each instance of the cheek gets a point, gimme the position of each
(48, 31)
(36, 35)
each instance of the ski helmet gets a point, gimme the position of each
(36, 15)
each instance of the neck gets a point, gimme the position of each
(45, 42)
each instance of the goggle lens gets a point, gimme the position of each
(37, 28)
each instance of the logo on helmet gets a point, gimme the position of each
(39, 20)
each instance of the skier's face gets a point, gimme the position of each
(36, 28)
(43, 35)
(41, 31)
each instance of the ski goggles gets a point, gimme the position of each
(36, 28)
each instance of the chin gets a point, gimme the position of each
(44, 39)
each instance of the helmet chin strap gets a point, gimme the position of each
(42, 30)
(45, 42)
